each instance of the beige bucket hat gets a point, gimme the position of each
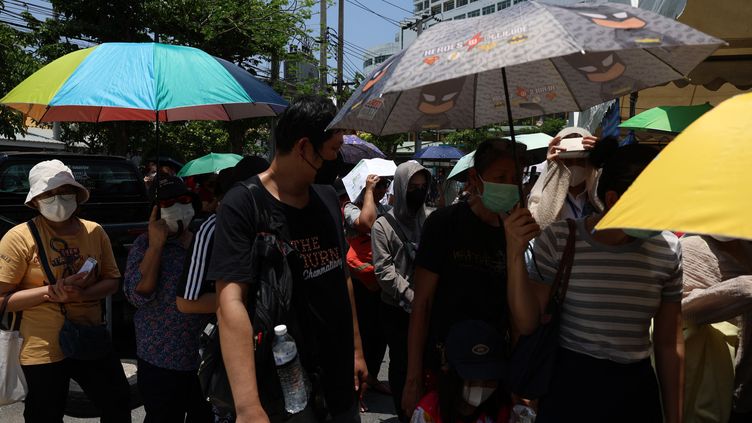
(50, 174)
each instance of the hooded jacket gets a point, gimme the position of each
(550, 191)
(392, 260)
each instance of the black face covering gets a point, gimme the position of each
(329, 171)
(415, 199)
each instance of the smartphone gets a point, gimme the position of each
(88, 265)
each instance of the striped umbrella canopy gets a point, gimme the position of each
(142, 81)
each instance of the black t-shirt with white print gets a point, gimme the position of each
(469, 257)
(320, 289)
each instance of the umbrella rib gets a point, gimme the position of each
(566, 85)
(390, 112)
(665, 63)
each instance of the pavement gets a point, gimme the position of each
(381, 408)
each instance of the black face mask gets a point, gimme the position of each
(415, 199)
(329, 171)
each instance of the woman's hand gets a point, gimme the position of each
(62, 293)
(554, 149)
(588, 142)
(371, 182)
(519, 229)
(158, 230)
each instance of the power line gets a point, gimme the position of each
(397, 6)
(367, 9)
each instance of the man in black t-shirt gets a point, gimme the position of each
(322, 288)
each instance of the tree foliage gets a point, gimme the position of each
(16, 63)
(248, 33)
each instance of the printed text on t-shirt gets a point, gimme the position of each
(316, 261)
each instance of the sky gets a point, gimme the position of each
(363, 29)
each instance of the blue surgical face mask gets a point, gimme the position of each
(499, 197)
(641, 233)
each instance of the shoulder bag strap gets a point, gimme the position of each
(43, 258)
(41, 252)
(561, 282)
(392, 221)
(14, 323)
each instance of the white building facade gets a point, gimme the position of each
(443, 10)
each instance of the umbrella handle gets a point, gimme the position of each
(517, 169)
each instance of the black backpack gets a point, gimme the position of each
(269, 305)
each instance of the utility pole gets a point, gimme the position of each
(322, 54)
(340, 46)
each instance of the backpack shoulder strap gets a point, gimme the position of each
(263, 215)
(41, 252)
(392, 221)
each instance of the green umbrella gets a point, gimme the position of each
(458, 171)
(666, 118)
(211, 163)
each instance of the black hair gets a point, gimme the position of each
(247, 167)
(307, 116)
(621, 165)
(494, 149)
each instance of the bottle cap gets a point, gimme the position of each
(280, 330)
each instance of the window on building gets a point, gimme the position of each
(461, 3)
(473, 1)
(425, 5)
(448, 5)
(434, 1)
(435, 10)
(503, 4)
(367, 63)
(473, 14)
(458, 17)
(489, 9)
(518, 1)
(381, 59)
(418, 6)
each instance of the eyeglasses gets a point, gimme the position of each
(183, 199)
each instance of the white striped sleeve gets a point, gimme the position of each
(199, 261)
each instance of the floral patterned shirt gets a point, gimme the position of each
(165, 337)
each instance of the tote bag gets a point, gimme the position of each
(12, 381)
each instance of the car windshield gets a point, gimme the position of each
(103, 180)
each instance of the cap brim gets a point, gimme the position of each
(481, 371)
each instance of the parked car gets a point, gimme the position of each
(119, 202)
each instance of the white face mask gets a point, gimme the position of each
(476, 395)
(177, 213)
(578, 175)
(58, 208)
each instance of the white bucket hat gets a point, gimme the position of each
(50, 174)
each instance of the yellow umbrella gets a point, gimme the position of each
(700, 183)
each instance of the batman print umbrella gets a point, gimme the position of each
(556, 59)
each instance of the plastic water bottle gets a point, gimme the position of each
(292, 377)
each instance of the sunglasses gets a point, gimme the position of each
(183, 199)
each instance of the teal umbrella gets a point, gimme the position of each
(671, 119)
(210, 163)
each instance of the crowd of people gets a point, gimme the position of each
(450, 291)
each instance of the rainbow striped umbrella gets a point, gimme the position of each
(140, 81)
